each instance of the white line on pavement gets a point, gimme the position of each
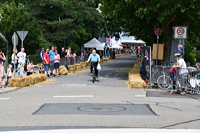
(75, 96)
(4, 98)
(140, 95)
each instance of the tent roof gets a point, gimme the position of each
(94, 43)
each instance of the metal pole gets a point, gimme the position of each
(157, 51)
(150, 63)
(22, 44)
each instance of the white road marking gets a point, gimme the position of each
(140, 95)
(4, 98)
(75, 96)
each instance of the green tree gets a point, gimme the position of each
(141, 17)
(14, 18)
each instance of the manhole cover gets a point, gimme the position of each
(102, 108)
(94, 109)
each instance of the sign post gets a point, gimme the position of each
(180, 32)
(22, 36)
(157, 33)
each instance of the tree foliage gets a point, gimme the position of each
(51, 22)
(141, 17)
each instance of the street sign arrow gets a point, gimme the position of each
(15, 39)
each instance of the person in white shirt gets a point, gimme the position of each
(30, 68)
(14, 59)
(182, 71)
(22, 56)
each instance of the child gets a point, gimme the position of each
(30, 68)
(74, 57)
(9, 73)
(18, 68)
(22, 72)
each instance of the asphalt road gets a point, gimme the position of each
(74, 102)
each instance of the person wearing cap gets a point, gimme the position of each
(180, 50)
(2, 72)
(182, 70)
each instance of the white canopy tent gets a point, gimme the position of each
(94, 43)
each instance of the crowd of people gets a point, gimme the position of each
(50, 59)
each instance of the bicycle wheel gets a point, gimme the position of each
(164, 82)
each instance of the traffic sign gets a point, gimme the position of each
(157, 31)
(15, 39)
(22, 35)
(180, 32)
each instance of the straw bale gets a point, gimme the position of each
(83, 67)
(82, 63)
(63, 70)
(78, 69)
(61, 67)
(71, 69)
(135, 81)
(26, 81)
(135, 71)
(71, 66)
(137, 65)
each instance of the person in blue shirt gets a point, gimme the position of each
(51, 55)
(94, 58)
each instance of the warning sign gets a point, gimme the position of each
(180, 32)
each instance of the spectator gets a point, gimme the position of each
(56, 62)
(182, 71)
(66, 58)
(180, 50)
(46, 62)
(41, 54)
(83, 55)
(69, 55)
(30, 68)
(22, 72)
(14, 60)
(62, 57)
(75, 57)
(22, 58)
(18, 68)
(9, 73)
(142, 62)
(51, 55)
(2, 72)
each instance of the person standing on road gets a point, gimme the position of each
(142, 62)
(46, 62)
(182, 71)
(51, 55)
(56, 62)
(94, 58)
(2, 72)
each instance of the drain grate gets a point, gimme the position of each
(94, 109)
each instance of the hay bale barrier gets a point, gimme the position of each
(71, 68)
(27, 80)
(134, 78)
(63, 70)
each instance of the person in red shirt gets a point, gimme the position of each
(46, 62)
(2, 72)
